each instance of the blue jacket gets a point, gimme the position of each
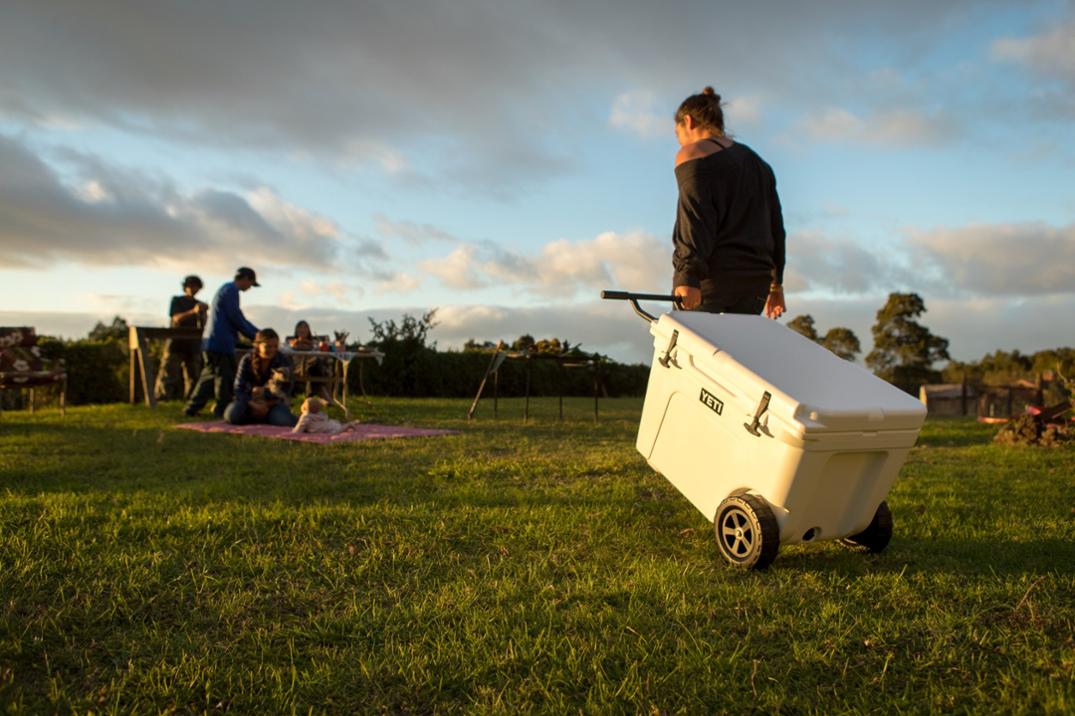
(226, 321)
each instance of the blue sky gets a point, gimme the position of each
(504, 162)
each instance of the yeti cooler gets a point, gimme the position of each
(771, 436)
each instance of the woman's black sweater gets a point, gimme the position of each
(729, 231)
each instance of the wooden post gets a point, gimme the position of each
(496, 394)
(132, 349)
(963, 396)
(147, 371)
(491, 368)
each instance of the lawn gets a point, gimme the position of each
(507, 568)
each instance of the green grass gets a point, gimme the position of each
(508, 568)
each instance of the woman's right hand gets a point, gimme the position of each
(689, 297)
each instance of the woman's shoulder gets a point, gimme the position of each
(703, 150)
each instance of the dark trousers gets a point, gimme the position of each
(179, 372)
(216, 381)
(238, 413)
(749, 300)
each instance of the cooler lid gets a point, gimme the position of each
(809, 384)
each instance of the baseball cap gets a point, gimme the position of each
(247, 272)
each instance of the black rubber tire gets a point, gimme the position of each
(747, 532)
(877, 534)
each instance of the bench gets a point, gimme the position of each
(23, 368)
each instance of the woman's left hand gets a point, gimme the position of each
(774, 305)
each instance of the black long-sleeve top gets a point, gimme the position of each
(729, 230)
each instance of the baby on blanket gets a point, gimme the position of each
(315, 420)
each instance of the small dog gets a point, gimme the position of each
(275, 391)
(314, 420)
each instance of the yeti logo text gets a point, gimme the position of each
(712, 402)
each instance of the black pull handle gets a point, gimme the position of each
(630, 295)
(634, 298)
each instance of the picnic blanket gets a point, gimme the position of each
(362, 431)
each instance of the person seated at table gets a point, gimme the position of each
(303, 339)
(262, 385)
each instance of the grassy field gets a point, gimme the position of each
(507, 568)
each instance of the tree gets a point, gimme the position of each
(804, 325)
(410, 331)
(843, 342)
(473, 346)
(115, 332)
(904, 350)
(523, 343)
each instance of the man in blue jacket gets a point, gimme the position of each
(226, 321)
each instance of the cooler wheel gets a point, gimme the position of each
(747, 532)
(877, 534)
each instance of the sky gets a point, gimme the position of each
(503, 162)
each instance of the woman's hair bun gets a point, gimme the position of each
(710, 92)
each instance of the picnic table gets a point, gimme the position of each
(341, 366)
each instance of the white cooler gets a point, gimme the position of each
(740, 408)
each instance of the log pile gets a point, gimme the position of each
(1049, 427)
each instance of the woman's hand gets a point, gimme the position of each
(774, 305)
(690, 297)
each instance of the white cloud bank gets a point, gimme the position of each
(561, 269)
(111, 216)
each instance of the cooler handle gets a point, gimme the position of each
(634, 298)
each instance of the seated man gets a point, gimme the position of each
(262, 385)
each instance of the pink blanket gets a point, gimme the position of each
(364, 431)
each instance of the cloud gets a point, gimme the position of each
(1012, 260)
(1049, 52)
(1049, 56)
(459, 91)
(560, 269)
(894, 128)
(113, 216)
(819, 262)
(638, 113)
(458, 269)
(409, 231)
(1017, 261)
(399, 283)
(745, 111)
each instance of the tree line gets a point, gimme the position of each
(905, 353)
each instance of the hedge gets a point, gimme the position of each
(97, 372)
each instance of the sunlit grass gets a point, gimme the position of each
(509, 567)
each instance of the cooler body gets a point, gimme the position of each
(739, 404)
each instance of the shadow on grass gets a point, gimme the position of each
(965, 557)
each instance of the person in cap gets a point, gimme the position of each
(227, 321)
(181, 363)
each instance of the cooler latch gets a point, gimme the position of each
(763, 406)
(668, 352)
